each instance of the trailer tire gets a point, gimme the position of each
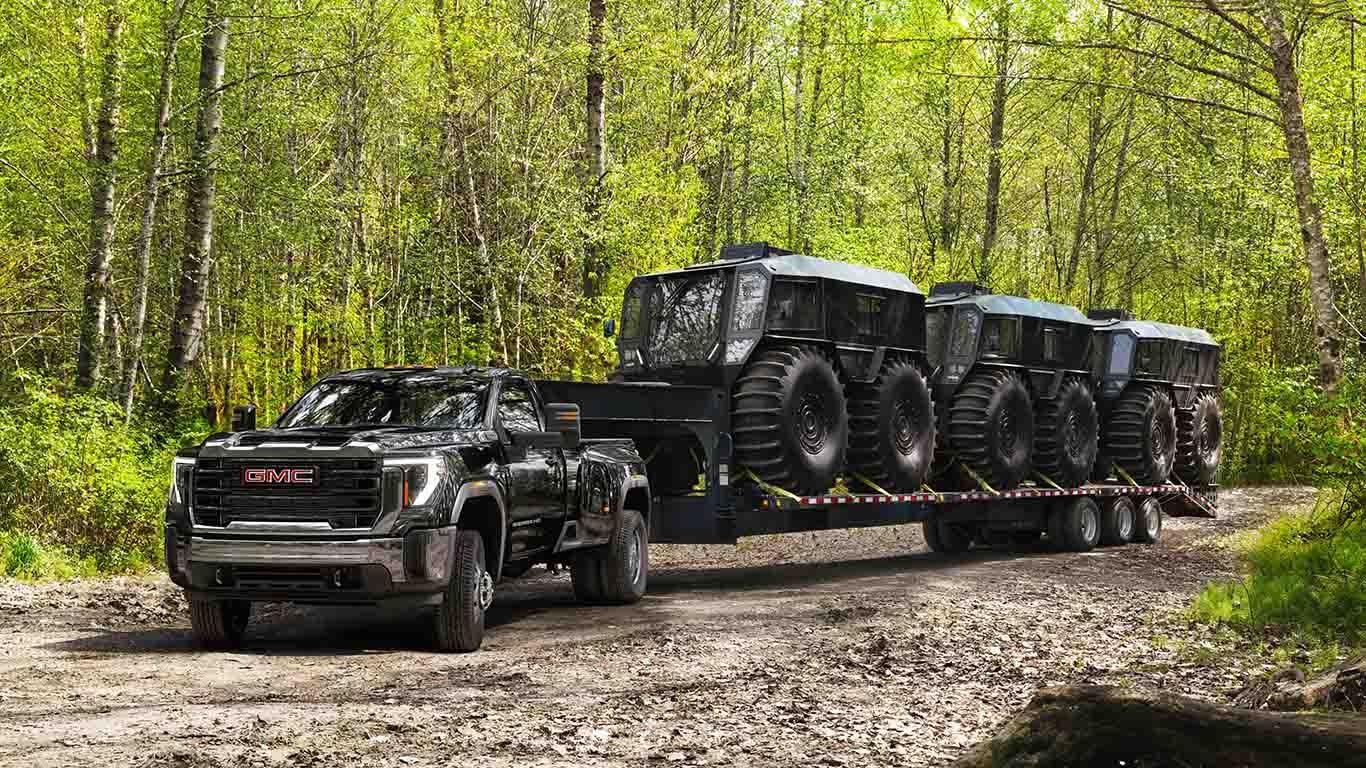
(1079, 524)
(1141, 434)
(1067, 435)
(991, 427)
(1199, 440)
(891, 427)
(789, 420)
(219, 624)
(1148, 521)
(460, 617)
(946, 538)
(625, 561)
(1117, 521)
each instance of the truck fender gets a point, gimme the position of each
(632, 481)
(484, 489)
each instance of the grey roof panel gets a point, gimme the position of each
(797, 265)
(997, 304)
(1147, 329)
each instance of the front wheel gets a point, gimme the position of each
(219, 624)
(460, 618)
(991, 427)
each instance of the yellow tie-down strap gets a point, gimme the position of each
(773, 489)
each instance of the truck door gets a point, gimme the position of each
(535, 475)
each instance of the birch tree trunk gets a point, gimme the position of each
(596, 149)
(187, 324)
(150, 198)
(98, 272)
(996, 137)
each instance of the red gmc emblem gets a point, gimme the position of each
(279, 475)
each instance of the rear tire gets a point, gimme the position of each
(1067, 435)
(219, 624)
(991, 427)
(626, 561)
(1117, 521)
(1199, 440)
(1148, 522)
(460, 617)
(946, 538)
(1140, 435)
(1079, 525)
(891, 428)
(789, 419)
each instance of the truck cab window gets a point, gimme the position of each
(516, 410)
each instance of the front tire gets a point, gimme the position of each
(991, 427)
(1067, 435)
(789, 419)
(1199, 440)
(891, 428)
(460, 618)
(219, 624)
(1140, 435)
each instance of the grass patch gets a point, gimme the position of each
(1305, 577)
(24, 557)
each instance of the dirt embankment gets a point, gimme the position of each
(843, 648)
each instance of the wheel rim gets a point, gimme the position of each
(812, 425)
(903, 426)
(634, 562)
(1089, 525)
(1161, 438)
(1071, 433)
(1152, 522)
(1125, 518)
(483, 581)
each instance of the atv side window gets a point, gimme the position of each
(630, 311)
(1149, 358)
(749, 301)
(934, 336)
(1121, 351)
(516, 409)
(1052, 344)
(868, 315)
(794, 305)
(1000, 337)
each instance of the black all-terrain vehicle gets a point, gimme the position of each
(824, 362)
(1013, 386)
(1159, 400)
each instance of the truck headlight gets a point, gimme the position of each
(421, 477)
(182, 469)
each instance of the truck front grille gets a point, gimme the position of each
(346, 493)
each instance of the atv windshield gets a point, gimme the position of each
(432, 402)
(685, 318)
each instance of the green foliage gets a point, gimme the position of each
(22, 557)
(76, 479)
(1304, 576)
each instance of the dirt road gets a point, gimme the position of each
(844, 648)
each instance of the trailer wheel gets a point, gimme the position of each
(460, 617)
(1117, 521)
(789, 419)
(991, 427)
(1141, 435)
(219, 624)
(891, 428)
(946, 538)
(1148, 521)
(1067, 435)
(1075, 525)
(1199, 440)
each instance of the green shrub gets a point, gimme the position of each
(22, 557)
(1306, 574)
(75, 478)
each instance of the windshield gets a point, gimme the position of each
(438, 402)
(685, 317)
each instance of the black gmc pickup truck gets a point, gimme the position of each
(420, 484)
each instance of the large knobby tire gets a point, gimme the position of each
(1140, 435)
(1076, 525)
(789, 419)
(1067, 435)
(946, 538)
(219, 624)
(991, 427)
(1148, 521)
(1117, 521)
(1199, 440)
(891, 428)
(460, 617)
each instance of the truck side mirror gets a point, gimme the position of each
(609, 327)
(244, 418)
(564, 419)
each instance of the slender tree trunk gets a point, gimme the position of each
(795, 232)
(151, 196)
(1326, 332)
(996, 138)
(1094, 134)
(1356, 182)
(1107, 232)
(494, 314)
(593, 267)
(98, 271)
(187, 323)
(946, 170)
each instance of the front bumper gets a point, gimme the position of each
(318, 570)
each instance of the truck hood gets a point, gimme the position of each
(381, 439)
